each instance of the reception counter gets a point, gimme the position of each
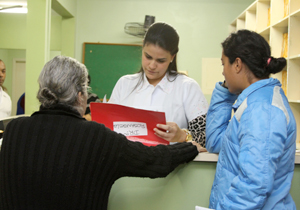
(189, 185)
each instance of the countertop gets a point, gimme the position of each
(211, 157)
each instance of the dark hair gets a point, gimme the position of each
(254, 51)
(166, 37)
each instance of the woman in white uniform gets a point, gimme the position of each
(158, 86)
(5, 101)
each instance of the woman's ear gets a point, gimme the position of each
(80, 97)
(238, 65)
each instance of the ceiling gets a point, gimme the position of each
(13, 2)
(10, 3)
(7, 3)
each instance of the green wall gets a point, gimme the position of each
(187, 186)
(3, 55)
(13, 31)
(14, 28)
(56, 30)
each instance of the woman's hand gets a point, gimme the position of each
(199, 147)
(170, 132)
(88, 117)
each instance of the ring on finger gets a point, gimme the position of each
(167, 131)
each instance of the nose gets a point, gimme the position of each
(152, 64)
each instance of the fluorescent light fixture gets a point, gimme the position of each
(13, 9)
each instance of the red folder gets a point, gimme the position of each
(135, 124)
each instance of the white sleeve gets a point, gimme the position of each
(116, 93)
(195, 103)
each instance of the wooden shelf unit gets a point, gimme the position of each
(274, 19)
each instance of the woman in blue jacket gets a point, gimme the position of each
(257, 145)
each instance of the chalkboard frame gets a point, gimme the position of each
(122, 59)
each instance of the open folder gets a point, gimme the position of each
(135, 124)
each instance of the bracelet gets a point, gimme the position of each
(188, 135)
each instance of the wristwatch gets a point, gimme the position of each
(188, 135)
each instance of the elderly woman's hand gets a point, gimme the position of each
(88, 117)
(199, 147)
(170, 132)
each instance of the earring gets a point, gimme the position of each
(171, 61)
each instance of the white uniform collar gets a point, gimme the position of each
(166, 84)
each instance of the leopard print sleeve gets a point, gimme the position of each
(197, 128)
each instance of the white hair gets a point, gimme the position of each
(60, 81)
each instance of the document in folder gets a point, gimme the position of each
(135, 124)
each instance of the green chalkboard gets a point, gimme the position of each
(106, 63)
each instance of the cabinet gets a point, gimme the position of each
(278, 21)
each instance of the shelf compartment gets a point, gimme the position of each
(266, 34)
(241, 22)
(263, 15)
(294, 57)
(232, 27)
(282, 23)
(276, 37)
(286, 8)
(294, 6)
(250, 17)
(250, 22)
(294, 45)
(284, 81)
(293, 90)
(277, 11)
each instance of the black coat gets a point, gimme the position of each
(55, 159)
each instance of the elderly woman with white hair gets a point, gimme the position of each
(55, 159)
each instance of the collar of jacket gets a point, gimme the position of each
(253, 87)
(59, 109)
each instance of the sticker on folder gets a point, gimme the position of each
(131, 128)
(135, 124)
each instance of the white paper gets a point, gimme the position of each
(131, 128)
(104, 99)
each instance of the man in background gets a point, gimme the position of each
(5, 101)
